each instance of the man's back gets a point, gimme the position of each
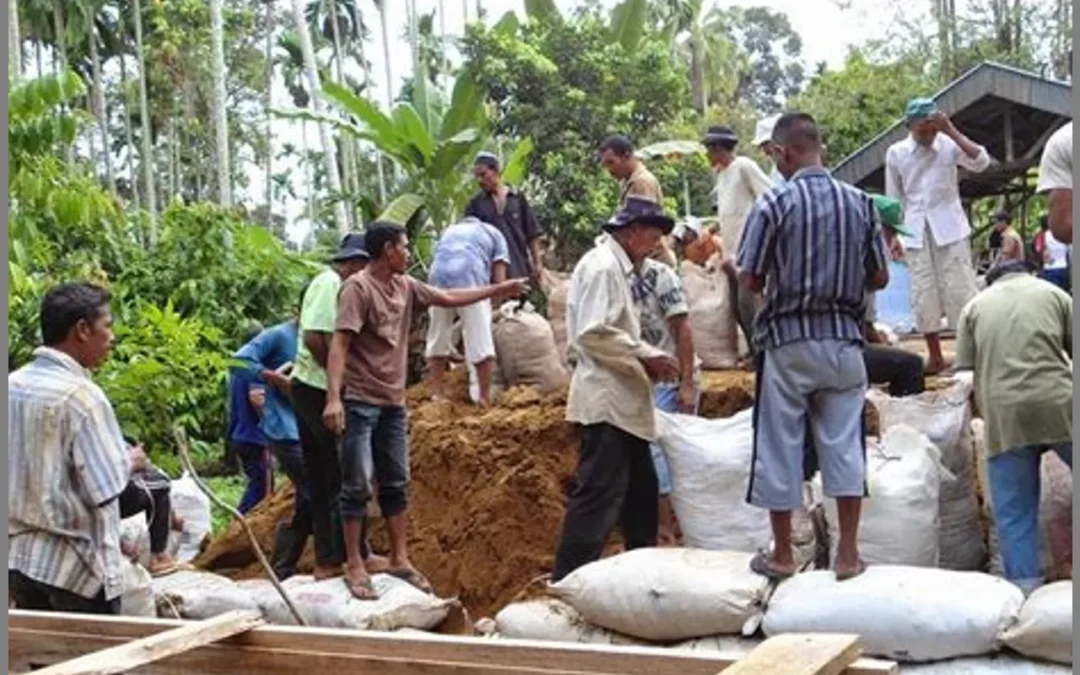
(465, 253)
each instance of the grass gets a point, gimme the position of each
(230, 489)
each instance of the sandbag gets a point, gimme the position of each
(553, 620)
(945, 417)
(329, 604)
(191, 504)
(710, 461)
(899, 523)
(556, 286)
(1045, 629)
(135, 535)
(137, 598)
(901, 613)
(712, 317)
(198, 595)
(525, 348)
(668, 593)
(998, 664)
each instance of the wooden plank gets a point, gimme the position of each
(818, 654)
(131, 655)
(54, 636)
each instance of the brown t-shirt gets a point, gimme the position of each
(379, 315)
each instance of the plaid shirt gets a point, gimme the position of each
(67, 463)
(815, 240)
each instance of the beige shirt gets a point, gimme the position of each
(641, 184)
(609, 383)
(737, 188)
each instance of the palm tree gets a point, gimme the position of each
(100, 110)
(269, 168)
(144, 115)
(381, 6)
(14, 43)
(221, 120)
(329, 155)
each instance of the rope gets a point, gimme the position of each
(185, 459)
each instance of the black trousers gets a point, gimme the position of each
(30, 594)
(616, 483)
(291, 537)
(323, 467)
(157, 506)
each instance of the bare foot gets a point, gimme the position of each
(937, 366)
(376, 564)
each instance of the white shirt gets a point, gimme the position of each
(925, 181)
(1055, 168)
(737, 188)
(1057, 253)
(609, 383)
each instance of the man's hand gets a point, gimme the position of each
(257, 397)
(685, 403)
(942, 123)
(139, 460)
(662, 368)
(333, 416)
(728, 265)
(896, 248)
(278, 380)
(513, 288)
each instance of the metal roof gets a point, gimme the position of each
(1010, 111)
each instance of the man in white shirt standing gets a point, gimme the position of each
(611, 392)
(1055, 179)
(763, 141)
(921, 171)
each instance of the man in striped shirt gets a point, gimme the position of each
(67, 463)
(815, 246)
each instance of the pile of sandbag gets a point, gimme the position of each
(901, 613)
(1045, 628)
(526, 349)
(552, 620)
(712, 315)
(198, 595)
(899, 522)
(556, 286)
(668, 594)
(998, 664)
(710, 461)
(191, 504)
(945, 418)
(137, 598)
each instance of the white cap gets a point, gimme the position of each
(764, 129)
(689, 224)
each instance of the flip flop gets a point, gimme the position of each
(413, 577)
(171, 569)
(760, 564)
(362, 590)
(851, 575)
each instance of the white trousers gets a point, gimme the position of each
(943, 280)
(476, 326)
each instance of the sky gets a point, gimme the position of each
(827, 31)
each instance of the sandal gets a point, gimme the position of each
(170, 569)
(412, 576)
(362, 590)
(760, 564)
(851, 575)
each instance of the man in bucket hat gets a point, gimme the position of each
(921, 172)
(611, 392)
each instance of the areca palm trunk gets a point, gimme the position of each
(381, 4)
(378, 155)
(144, 115)
(312, 74)
(269, 103)
(348, 161)
(14, 43)
(99, 103)
(221, 121)
(128, 137)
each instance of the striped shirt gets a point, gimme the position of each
(815, 240)
(67, 463)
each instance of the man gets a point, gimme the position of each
(469, 254)
(1055, 180)
(739, 183)
(366, 372)
(809, 338)
(611, 393)
(663, 313)
(269, 356)
(148, 492)
(247, 442)
(635, 180)
(1016, 336)
(319, 445)
(1012, 244)
(67, 463)
(1056, 259)
(921, 171)
(763, 141)
(507, 209)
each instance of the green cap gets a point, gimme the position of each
(918, 108)
(891, 213)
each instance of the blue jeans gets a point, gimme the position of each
(1059, 276)
(376, 446)
(255, 461)
(667, 399)
(1014, 493)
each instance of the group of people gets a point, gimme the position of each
(325, 391)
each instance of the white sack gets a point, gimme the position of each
(709, 461)
(668, 593)
(191, 504)
(712, 315)
(901, 613)
(899, 522)
(945, 417)
(1045, 630)
(329, 604)
(525, 348)
(134, 532)
(999, 664)
(137, 598)
(553, 620)
(198, 595)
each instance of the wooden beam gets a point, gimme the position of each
(821, 654)
(43, 637)
(140, 652)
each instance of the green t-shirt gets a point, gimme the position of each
(318, 313)
(1015, 335)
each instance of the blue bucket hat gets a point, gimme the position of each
(644, 211)
(352, 248)
(920, 108)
